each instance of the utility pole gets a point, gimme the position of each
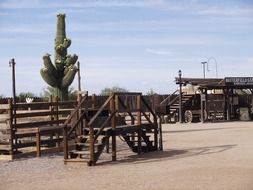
(12, 64)
(204, 68)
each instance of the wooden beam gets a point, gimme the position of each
(113, 125)
(139, 123)
(38, 144)
(4, 106)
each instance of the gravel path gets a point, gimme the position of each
(214, 156)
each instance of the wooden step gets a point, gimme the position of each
(76, 160)
(74, 154)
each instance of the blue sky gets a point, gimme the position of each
(134, 44)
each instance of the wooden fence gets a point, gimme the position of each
(32, 128)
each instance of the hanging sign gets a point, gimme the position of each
(241, 81)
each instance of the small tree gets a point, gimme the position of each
(23, 95)
(151, 92)
(48, 91)
(107, 91)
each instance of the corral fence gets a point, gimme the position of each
(33, 128)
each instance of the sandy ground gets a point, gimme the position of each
(195, 157)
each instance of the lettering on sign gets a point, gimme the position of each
(239, 80)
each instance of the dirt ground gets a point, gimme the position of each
(215, 156)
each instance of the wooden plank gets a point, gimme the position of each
(5, 147)
(4, 117)
(34, 153)
(6, 157)
(40, 113)
(69, 104)
(33, 143)
(24, 134)
(51, 128)
(37, 124)
(127, 93)
(4, 106)
(30, 132)
(33, 105)
(43, 105)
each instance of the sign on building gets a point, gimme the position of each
(239, 81)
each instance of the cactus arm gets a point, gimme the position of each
(59, 64)
(62, 47)
(66, 43)
(49, 65)
(71, 60)
(48, 77)
(69, 76)
(59, 49)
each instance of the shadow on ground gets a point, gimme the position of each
(171, 154)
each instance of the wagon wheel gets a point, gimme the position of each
(188, 117)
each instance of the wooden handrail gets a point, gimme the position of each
(83, 115)
(21, 105)
(175, 99)
(147, 118)
(149, 108)
(103, 126)
(168, 97)
(122, 103)
(127, 93)
(68, 120)
(100, 110)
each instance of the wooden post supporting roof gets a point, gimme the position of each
(228, 104)
(202, 106)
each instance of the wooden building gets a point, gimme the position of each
(212, 99)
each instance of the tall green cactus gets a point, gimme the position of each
(62, 73)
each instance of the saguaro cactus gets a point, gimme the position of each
(62, 73)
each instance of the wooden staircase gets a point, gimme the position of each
(174, 105)
(87, 131)
(170, 105)
(81, 151)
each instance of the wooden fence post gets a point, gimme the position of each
(113, 125)
(38, 144)
(160, 134)
(65, 143)
(156, 131)
(91, 138)
(139, 123)
(10, 102)
(93, 99)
